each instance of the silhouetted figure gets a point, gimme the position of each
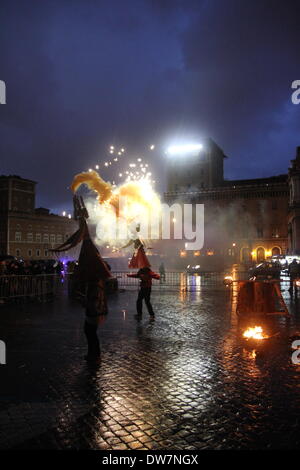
(294, 274)
(145, 275)
(91, 274)
(162, 272)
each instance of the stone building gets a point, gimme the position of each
(25, 231)
(245, 220)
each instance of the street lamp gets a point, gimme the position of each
(184, 149)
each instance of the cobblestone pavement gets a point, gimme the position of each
(186, 381)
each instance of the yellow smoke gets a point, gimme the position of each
(93, 181)
(139, 195)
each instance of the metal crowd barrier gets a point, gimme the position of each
(41, 287)
(45, 287)
(180, 279)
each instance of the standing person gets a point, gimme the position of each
(96, 307)
(145, 275)
(162, 272)
(294, 274)
(91, 272)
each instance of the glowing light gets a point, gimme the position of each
(152, 147)
(255, 333)
(90, 169)
(97, 167)
(120, 174)
(122, 150)
(112, 147)
(139, 159)
(111, 151)
(64, 213)
(69, 215)
(186, 148)
(106, 164)
(115, 159)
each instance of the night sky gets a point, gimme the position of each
(84, 75)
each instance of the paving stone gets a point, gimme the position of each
(186, 381)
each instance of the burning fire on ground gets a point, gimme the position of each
(254, 333)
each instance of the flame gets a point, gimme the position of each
(254, 333)
(139, 195)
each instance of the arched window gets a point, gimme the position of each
(276, 251)
(260, 254)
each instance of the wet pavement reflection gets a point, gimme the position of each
(189, 380)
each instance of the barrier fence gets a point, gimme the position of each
(45, 287)
(41, 287)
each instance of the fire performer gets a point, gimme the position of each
(139, 258)
(145, 275)
(91, 273)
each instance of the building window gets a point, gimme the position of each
(52, 238)
(18, 252)
(29, 237)
(18, 236)
(59, 238)
(46, 238)
(46, 253)
(38, 237)
(260, 232)
(275, 232)
(29, 252)
(66, 236)
(38, 252)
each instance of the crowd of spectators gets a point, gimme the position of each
(13, 266)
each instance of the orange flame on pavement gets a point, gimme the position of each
(254, 333)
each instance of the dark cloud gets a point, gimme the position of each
(81, 75)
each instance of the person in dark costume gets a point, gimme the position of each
(91, 274)
(145, 275)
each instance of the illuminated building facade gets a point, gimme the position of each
(27, 232)
(245, 220)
